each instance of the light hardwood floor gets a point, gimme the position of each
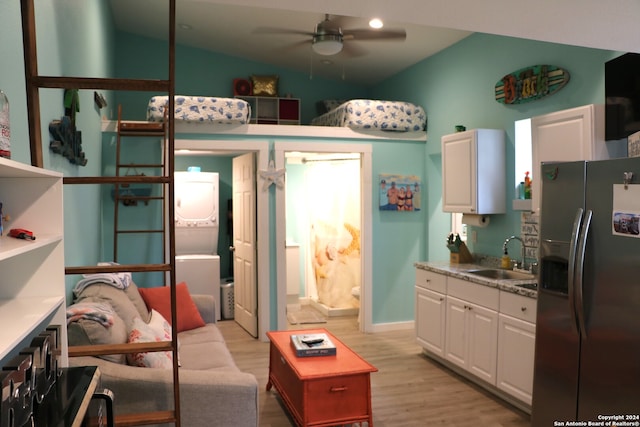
(409, 390)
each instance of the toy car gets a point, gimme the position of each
(21, 233)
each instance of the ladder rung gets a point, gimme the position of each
(100, 349)
(136, 128)
(140, 165)
(133, 268)
(138, 231)
(127, 179)
(145, 418)
(145, 85)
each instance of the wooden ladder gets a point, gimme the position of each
(33, 83)
(123, 194)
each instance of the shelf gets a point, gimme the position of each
(11, 247)
(270, 110)
(12, 169)
(25, 315)
(522, 205)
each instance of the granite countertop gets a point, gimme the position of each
(460, 271)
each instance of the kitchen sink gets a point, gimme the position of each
(499, 274)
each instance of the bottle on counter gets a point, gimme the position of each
(5, 127)
(527, 186)
(505, 263)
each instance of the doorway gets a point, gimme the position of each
(351, 228)
(323, 223)
(260, 150)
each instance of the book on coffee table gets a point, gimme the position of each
(307, 345)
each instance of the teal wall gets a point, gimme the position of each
(455, 86)
(74, 38)
(200, 72)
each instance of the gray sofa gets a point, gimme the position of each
(213, 391)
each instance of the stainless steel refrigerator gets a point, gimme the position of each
(587, 356)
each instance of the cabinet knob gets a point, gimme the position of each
(441, 299)
(523, 308)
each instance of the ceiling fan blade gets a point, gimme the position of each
(368, 34)
(353, 51)
(270, 30)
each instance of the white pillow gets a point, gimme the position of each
(157, 330)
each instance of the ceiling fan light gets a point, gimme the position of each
(327, 44)
(376, 23)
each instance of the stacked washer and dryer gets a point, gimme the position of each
(197, 227)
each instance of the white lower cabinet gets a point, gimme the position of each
(430, 320)
(472, 338)
(488, 333)
(516, 346)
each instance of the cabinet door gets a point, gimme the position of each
(456, 332)
(562, 136)
(483, 342)
(459, 172)
(430, 320)
(516, 348)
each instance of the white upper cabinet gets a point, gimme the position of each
(473, 172)
(565, 136)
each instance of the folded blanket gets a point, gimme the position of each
(120, 280)
(97, 311)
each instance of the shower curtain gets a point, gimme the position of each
(333, 209)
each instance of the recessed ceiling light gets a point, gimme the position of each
(185, 26)
(376, 23)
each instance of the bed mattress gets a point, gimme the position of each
(201, 109)
(375, 115)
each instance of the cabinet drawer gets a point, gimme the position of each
(430, 280)
(473, 292)
(343, 397)
(518, 306)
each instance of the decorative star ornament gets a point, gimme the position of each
(272, 176)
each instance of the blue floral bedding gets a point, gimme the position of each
(201, 109)
(375, 115)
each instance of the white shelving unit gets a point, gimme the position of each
(273, 110)
(32, 291)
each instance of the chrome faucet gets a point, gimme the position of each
(522, 265)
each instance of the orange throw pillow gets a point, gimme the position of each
(159, 299)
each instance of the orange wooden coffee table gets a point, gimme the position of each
(320, 390)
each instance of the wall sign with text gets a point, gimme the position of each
(531, 83)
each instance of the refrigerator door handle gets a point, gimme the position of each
(573, 249)
(579, 277)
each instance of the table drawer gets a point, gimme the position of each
(338, 398)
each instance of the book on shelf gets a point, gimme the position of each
(307, 345)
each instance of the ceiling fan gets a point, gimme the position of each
(329, 38)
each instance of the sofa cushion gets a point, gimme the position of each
(90, 332)
(122, 302)
(205, 355)
(187, 313)
(157, 330)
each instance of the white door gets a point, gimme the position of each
(244, 243)
(516, 351)
(456, 332)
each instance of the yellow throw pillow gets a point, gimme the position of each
(265, 85)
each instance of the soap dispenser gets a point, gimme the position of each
(506, 261)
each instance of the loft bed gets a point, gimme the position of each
(201, 109)
(358, 114)
(371, 114)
